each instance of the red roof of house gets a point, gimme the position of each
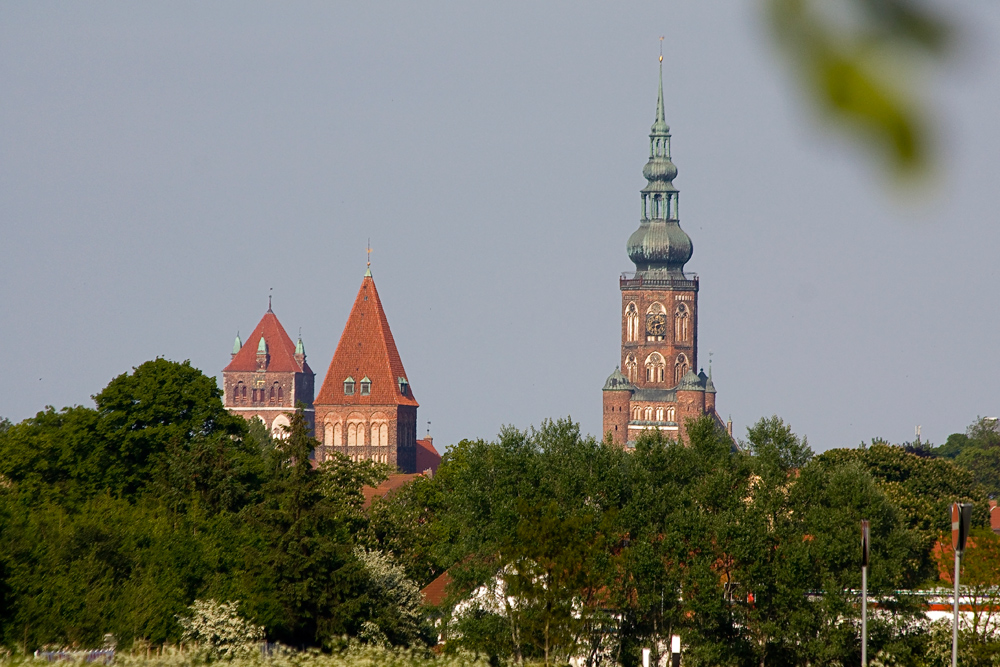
(388, 487)
(427, 456)
(279, 346)
(366, 349)
(435, 592)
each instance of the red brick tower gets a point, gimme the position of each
(268, 376)
(365, 408)
(659, 312)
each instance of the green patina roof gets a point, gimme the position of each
(707, 380)
(690, 382)
(237, 344)
(660, 248)
(300, 348)
(617, 382)
(262, 346)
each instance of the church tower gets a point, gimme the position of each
(365, 408)
(656, 386)
(268, 376)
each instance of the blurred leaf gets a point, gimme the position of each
(842, 51)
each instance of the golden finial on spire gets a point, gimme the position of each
(369, 253)
(661, 48)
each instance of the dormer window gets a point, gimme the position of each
(349, 386)
(366, 386)
(403, 384)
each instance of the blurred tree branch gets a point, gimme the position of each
(849, 55)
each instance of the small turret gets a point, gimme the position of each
(237, 344)
(262, 355)
(300, 352)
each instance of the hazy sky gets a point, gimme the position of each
(163, 165)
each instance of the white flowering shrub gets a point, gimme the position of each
(400, 617)
(219, 630)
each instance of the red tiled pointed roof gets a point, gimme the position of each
(366, 349)
(427, 456)
(279, 346)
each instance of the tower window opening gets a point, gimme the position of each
(244, 392)
(630, 368)
(637, 413)
(648, 414)
(654, 367)
(631, 323)
(670, 415)
(281, 393)
(682, 322)
(681, 367)
(659, 414)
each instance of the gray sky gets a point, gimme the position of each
(163, 165)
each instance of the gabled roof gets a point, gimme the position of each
(366, 349)
(394, 483)
(279, 346)
(427, 456)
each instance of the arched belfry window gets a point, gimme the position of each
(682, 322)
(659, 414)
(647, 414)
(670, 415)
(656, 322)
(655, 367)
(631, 323)
(637, 413)
(631, 366)
(681, 367)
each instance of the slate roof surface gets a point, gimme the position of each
(279, 346)
(366, 348)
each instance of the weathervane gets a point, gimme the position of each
(369, 252)
(269, 290)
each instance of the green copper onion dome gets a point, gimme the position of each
(660, 248)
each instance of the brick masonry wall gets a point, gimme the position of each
(616, 416)
(669, 348)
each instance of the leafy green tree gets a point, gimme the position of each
(160, 404)
(922, 488)
(301, 580)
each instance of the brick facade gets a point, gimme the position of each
(268, 380)
(365, 408)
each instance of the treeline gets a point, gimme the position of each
(115, 519)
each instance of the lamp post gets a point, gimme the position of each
(961, 519)
(675, 651)
(865, 534)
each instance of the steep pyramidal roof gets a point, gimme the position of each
(366, 349)
(276, 342)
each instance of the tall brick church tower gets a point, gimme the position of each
(657, 386)
(365, 408)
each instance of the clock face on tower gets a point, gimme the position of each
(656, 324)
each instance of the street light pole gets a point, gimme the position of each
(865, 534)
(961, 518)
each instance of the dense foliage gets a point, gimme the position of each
(125, 518)
(115, 519)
